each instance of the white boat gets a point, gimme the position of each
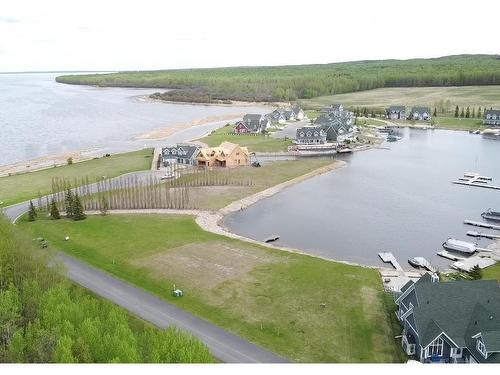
(460, 246)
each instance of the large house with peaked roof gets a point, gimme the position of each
(337, 128)
(310, 135)
(182, 153)
(227, 155)
(450, 322)
(298, 112)
(276, 117)
(420, 114)
(252, 123)
(491, 117)
(396, 112)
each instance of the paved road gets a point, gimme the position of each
(222, 344)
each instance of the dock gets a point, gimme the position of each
(490, 236)
(424, 263)
(467, 264)
(450, 256)
(389, 258)
(475, 179)
(481, 224)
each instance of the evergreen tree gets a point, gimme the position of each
(54, 211)
(365, 112)
(479, 113)
(473, 115)
(68, 203)
(467, 113)
(475, 272)
(435, 112)
(77, 208)
(462, 113)
(456, 111)
(32, 212)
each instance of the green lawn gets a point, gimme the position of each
(255, 143)
(269, 174)
(21, 187)
(454, 123)
(448, 97)
(272, 298)
(492, 272)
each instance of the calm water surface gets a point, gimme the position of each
(40, 117)
(399, 200)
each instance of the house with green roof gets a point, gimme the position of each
(450, 322)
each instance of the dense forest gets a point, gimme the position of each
(44, 318)
(303, 81)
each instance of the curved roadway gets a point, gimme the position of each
(225, 346)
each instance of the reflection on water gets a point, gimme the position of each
(399, 200)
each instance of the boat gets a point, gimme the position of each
(491, 215)
(272, 238)
(415, 262)
(392, 138)
(460, 246)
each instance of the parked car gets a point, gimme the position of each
(168, 176)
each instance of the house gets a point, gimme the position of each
(182, 153)
(289, 115)
(452, 322)
(310, 135)
(334, 109)
(298, 112)
(420, 113)
(226, 155)
(491, 117)
(337, 128)
(396, 112)
(241, 128)
(276, 117)
(256, 123)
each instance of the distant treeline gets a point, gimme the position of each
(303, 81)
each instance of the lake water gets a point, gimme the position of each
(399, 200)
(40, 117)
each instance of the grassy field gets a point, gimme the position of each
(448, 97)
(269, 174)
(492, 273)
(255, 143)
(21, 187)
(270, 297)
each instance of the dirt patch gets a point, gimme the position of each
(206, 265)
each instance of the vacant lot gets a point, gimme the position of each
(270, 174)
(270, 297)
(21, 187)
(474, 96)
(255, 143)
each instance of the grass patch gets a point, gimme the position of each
(269, 174)
(21, 187)
(491, 273)
(255, 143)
(270, 297)
(454, 123)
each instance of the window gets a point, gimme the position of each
(435, 349)
(456, 352)
(410, 349)
(481, 348)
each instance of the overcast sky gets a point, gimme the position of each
(147, 34)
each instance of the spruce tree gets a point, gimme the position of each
(54, 211)
(479, 113)
(104, 206)
(462, 113)
(435, 112)
(456, 111)
(77, 208)
(467, 113)
(68, 203)
(475, 273)
(31, 212)
(473, 115)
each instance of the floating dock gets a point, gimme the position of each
(473, 233)
(481, 224)
(467, 264)
(424, 263)
(474, 179)
(450, 256)
(389, 258)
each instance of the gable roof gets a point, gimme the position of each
(191, 150)
(252, 117)
(420, 110)
(397, 108)
(449, 307)
(492, 112)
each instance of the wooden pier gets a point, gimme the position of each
(424, 263)
(450, 256)
(389, 258)
(481, 224)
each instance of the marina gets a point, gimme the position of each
(475, 179)
(490, 236)
(482, 224)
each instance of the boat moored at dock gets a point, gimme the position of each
(491, 215)
(460, 246)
